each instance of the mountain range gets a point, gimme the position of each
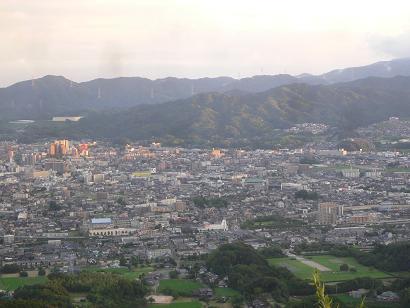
(236, 119)
(225, 112)
(57, 96)
(228, 115)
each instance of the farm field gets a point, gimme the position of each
(12, 283)
(304, 271)
(179, 286)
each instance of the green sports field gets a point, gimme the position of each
(181, 287)
(193, 304)
(227, 292)
(12, 283)
(299, 269)
(304, 271)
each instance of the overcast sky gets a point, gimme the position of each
(86, 39)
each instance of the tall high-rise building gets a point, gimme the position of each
(327, 213)
(59, 148)
(62, 149)
(10, 154)
(52, 151)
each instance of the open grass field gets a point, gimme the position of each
(12, 283)
(304, 271)
(193, 304)
(299, 269)
(179, 286)
(227, 292)
(135, 273)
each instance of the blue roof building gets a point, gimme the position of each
(101, 221)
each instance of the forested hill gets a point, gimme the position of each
(57, 96)
(227, 118)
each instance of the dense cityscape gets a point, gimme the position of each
(155, 213)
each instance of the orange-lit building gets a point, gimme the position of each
(216, 153)
(59, 148)
(83, 149)
(52, 151)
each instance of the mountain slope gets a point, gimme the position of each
(42, 97)
(55, 95)
(215, 117)
(385, 69)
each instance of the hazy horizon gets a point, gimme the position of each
(84, 40)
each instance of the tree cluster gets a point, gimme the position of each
(249, 273)
(203, 202)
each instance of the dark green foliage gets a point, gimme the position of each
(305, 302)
(173, 274)
(355, 145)
(123, 261)
(103, 290)
(271, 252)
(313, 248)
(222, 260)
(392, 258)
(41, 271)
(344, 267)
(400, 284)
(203, 202)
(121, 201)
(405, 298)
(237, 301)
(306, 195)
(23, 274)
(249, 272)
(52, 293)
(122, 293)
(309, 160)
(10, 268)
(24, 303)
(135, 261)
(354, 284)
(53, 206)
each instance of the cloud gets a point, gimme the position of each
(397, 46)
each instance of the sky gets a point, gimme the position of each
(87, 39)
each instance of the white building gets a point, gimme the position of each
(63, 119)
(223, 226)
(351, 173)
(112, 232)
